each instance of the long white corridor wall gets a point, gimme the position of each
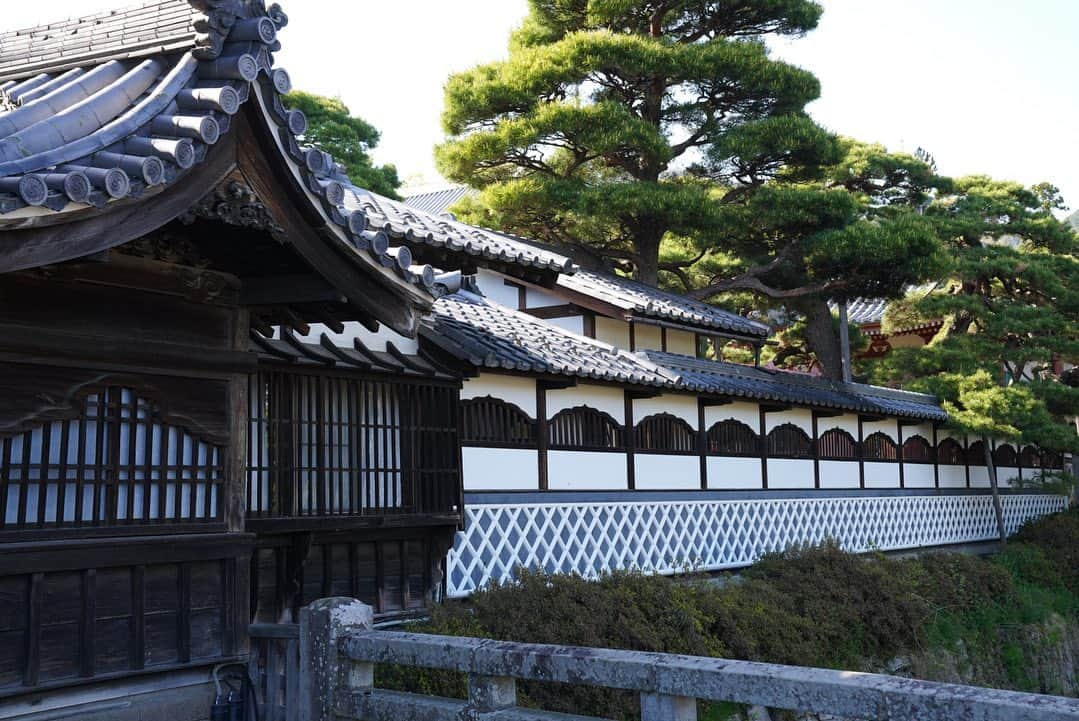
(593, 533)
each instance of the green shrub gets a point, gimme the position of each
(1058, 538)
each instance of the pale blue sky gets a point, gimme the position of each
(987, 86)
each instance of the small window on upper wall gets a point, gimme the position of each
(917, 449)
(733, 438)
(879, 447)
(490, 421)
(788, 441)
(665, 433)
(950, 453)
(584, 429)
(837, 444)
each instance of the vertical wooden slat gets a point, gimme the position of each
(80, 465)
(24, 481)
(861, 452)
(273, 680)
(899, 451)
(629, 440)
(815, 447)
(44, 467)
(292, 680)
(87, 627)
(542, 430)
(762, 438)
(183, 614)
(33, 629)
(137, 645)
(5, 475)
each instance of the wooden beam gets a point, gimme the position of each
(702, 442)
(285, 289)
(629, 433)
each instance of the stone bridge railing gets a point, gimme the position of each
(338, 650)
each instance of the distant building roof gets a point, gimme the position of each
(439, 200)
(490, 336)
(866, 310)
(640, 299)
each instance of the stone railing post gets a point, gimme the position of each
(662, 707)
(491, 693)
(322, 671)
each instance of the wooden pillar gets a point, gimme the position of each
(764, 447)
(233, 504)
(814, 448)
(663, 338)
(702, 443)
(966, 457)
(630, 439)
(861, 452)
(632, 337)
(936, 461)
(541, 434)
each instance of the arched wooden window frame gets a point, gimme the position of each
(730, 432)
(836, 444)
(789, 441)
(1030, 457)
(880, 447)
(591, 425)
(976, 454)
(950, 453)
(665, 433)
(1052, 460)
(917, 449)
(1004, 455)
(491, 422)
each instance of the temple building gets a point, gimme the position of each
(234, 382)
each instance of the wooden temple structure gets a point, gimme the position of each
(232, 382)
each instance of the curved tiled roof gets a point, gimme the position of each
(488, 335)
(438, 202)
(866, 310)
(651, 302)
(118, 125)
(401, 220)
(730, 379)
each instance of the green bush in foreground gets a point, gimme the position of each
(811, 606)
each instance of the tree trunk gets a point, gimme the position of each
(822, 338)
(996, 490)
(646, 245)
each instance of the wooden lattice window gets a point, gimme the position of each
(584, 429)
(1005, 456)
(733, 438)
(788, 441)
(837, 444)
(323, 444)
(879, 447)
(493, 422)
(117, 462)
(976, 454)
(917, 449)
(665, 433)
(1030, 457)
(950, 453)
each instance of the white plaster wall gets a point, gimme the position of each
(1007, 475)
(838, 474)
(680, 341)
(790, 473)
(979, 477)
(734, 473)
(493, 285)
(925, 430)
(537, 298)
(918, 475)
(609, 399)
(647, 337)
(953, 476)
(572, 323)
(683, 406)
(353, 330)
(748, 413)
(801, 417)
(586, 471)
(518, 390)
(888, 427)
(847, 422)
(666, 472)
(500, 469)
(881, 475)
(615, 332)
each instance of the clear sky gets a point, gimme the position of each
(987, 86)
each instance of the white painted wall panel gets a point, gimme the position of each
(790, 473)
(839, 474)
(500, 469)
(847, 422)
(888, 427)
(609, 399)
(748, 413)
(1006, 476)
(615, 332)
(572, 323)
(918, 475)
(979, 477)
(493, 285)
(647, 337)
(537, 298)
(881, 475)
(734, 473)
(586, 471)
(801, 417)
(682, 406)
(680, 341)
(664, 472)
(518, 390)
(953, 477)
